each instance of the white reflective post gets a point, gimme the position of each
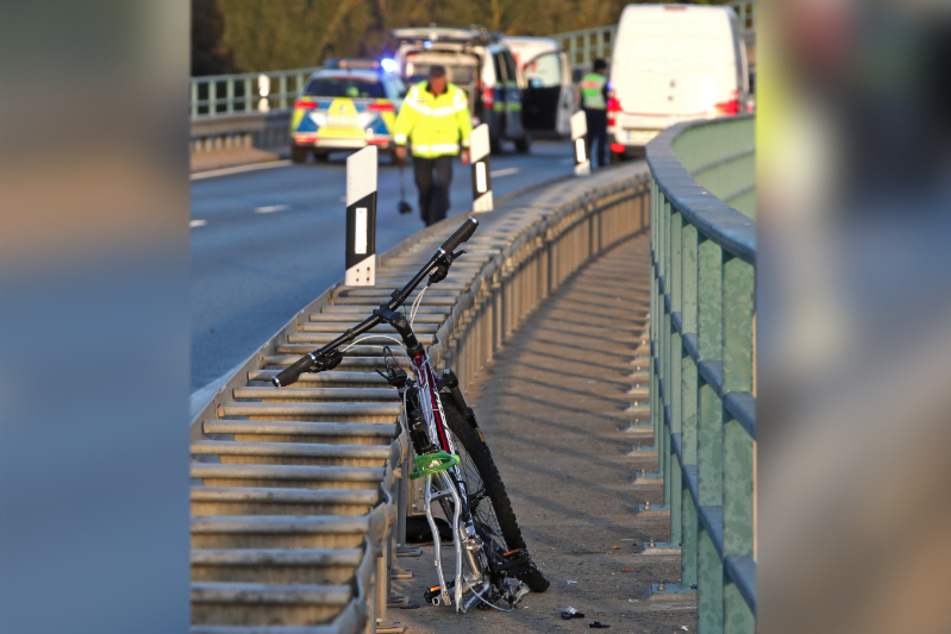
(579, 134)
(481, 176)
(264, 89)
(361, 217)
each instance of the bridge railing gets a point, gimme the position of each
(222, 95)
(703, 380)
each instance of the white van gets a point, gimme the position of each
(673, 63)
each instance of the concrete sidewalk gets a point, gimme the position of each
(556, 409)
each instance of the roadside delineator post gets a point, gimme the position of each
(479, 152)
(579, 134)
(361, 217)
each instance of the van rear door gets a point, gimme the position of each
(542, 95)
(672, 64)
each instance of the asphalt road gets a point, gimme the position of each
(266, 242)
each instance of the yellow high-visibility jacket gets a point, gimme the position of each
(436, 126)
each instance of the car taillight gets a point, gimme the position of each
(730, 107)
(306, 105)
(617, 148)
(614, 106)
(488, 97)
(381, 107)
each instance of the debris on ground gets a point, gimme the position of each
(598, 625)
(571, 613)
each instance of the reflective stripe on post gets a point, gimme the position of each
(579, 133)
(481, 177)
(361, 217)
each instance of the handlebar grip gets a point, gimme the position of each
(463, 233)
(289, 375)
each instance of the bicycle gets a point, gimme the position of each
(451, 454)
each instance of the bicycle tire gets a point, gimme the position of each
(476, 462)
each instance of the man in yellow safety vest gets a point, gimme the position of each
(435, 119)
(594, 102)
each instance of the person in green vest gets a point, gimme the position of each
(435, 120)
(594, 102)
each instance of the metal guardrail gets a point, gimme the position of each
(217, 95)
(274, 540)
(703, 379)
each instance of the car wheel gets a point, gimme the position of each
(299, 154)
(321, 156)
(523, 145)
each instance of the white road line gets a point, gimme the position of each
(238, 169)
(508, 171)
(270, 209)
(197, 223)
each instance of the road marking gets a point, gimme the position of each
(271, 209)
(197, 223)
(238, 169)
(508, 171)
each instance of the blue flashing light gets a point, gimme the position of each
(427, 44)
(389, 65)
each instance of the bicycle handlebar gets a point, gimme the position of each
(463, 233)
(321, 360)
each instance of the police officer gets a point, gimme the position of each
(594, 102)
(435, 119)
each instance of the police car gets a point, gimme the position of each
(347, 105)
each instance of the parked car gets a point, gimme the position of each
(348, 105)
(478, 62)
(548, 96)
(673, 63)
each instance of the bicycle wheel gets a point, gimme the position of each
(491, 509)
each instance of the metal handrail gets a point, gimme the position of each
(216, 95)
(702, 384)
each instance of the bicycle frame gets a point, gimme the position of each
(463, 529)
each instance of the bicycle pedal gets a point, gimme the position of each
(515, 560)
(433, 594)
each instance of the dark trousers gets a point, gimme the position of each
(597, 133)
(433, 178)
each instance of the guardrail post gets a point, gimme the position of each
(229, 96)
(664, 449)
(657, 302)
(709, 434)
(688, 406)
(282, 89)
(738, 301)
(674, 483)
